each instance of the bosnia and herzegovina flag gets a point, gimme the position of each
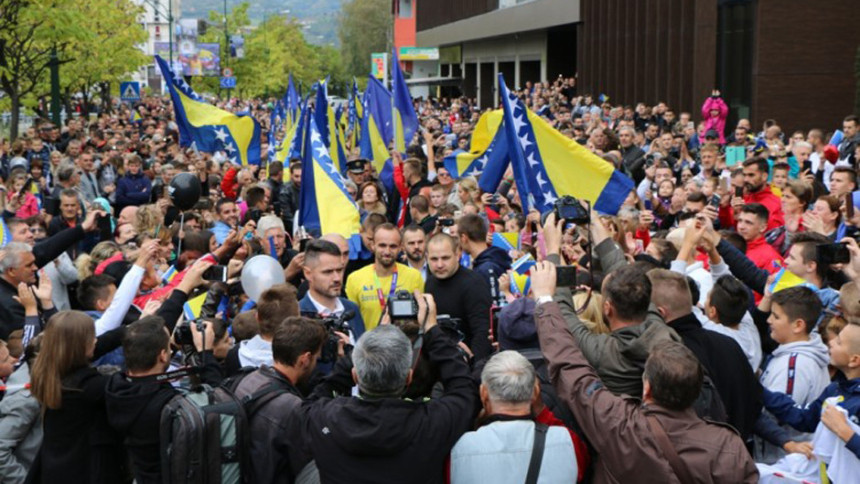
(548, 164)
(405, 118)
(376, 130)
(324, 204)
(210, 128)
(291, 101)
(193, 308)
(488, 146)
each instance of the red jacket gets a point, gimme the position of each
(763, 255)
(229, 183)
(765, 197)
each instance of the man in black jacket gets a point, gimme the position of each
(632, 156)
(134, 406)
(296, 346)
(461, 293)
(722, 358)
(381, 437)
(289, 194)
(22, 268)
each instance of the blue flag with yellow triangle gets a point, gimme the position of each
(209, 128)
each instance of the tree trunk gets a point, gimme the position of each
(16, 115)
(67, 102)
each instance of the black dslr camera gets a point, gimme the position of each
(451, 326)
(334, 324)
(570, 210)
(182, 334)
(402, 306)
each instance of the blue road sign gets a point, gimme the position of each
(228, 83)
(129, 91)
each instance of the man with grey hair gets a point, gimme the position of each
(270, 230)
(379, 436)
(632, 156)
(17, 267)
(503, 448)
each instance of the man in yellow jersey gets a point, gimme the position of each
(371, 286)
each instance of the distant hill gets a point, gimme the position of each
(319, 16)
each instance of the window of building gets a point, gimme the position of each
(404, 8)
(512, 3)
(735, 43)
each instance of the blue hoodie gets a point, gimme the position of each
(493, 259)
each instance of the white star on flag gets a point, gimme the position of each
(321, 151)
(532, 160)
(234, 160)
(315, 137)
(549, 199)
(541, 182)
(221, 135)
(524, 141)
(518, 123)
(229, 148)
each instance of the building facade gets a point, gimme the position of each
(790, 60)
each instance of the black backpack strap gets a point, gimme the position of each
(537, 453)
(257, 400)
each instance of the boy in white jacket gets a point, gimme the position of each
(798, 367)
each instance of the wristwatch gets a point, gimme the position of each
(543, 299)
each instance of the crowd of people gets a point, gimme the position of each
(711, 332)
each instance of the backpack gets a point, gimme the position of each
(205, 432)
(204, 436)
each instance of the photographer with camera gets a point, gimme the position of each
(379, 436)
(135, 399)
(462, 293)
(323, 269)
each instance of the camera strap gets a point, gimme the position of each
(379, 293)
(165, 377)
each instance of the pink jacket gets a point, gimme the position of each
(29, 208)
(717, 122)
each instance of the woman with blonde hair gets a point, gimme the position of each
(148, 219)
(592, 313)
(88, 263)
(78, 446)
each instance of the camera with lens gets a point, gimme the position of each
(332, 325)
(570, 210)
(402, 306)
(451, 326)
(182, 334)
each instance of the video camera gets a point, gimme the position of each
(568, 209)
(184, 338)
(338, 324)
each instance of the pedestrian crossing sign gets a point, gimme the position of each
(129, 91)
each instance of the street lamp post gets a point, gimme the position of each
(55, 87)
(170, 26)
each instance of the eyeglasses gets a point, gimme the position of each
(441, 174)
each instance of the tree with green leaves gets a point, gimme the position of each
(110, 53)
(273, 50)
(365, 27)
(31, 30)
